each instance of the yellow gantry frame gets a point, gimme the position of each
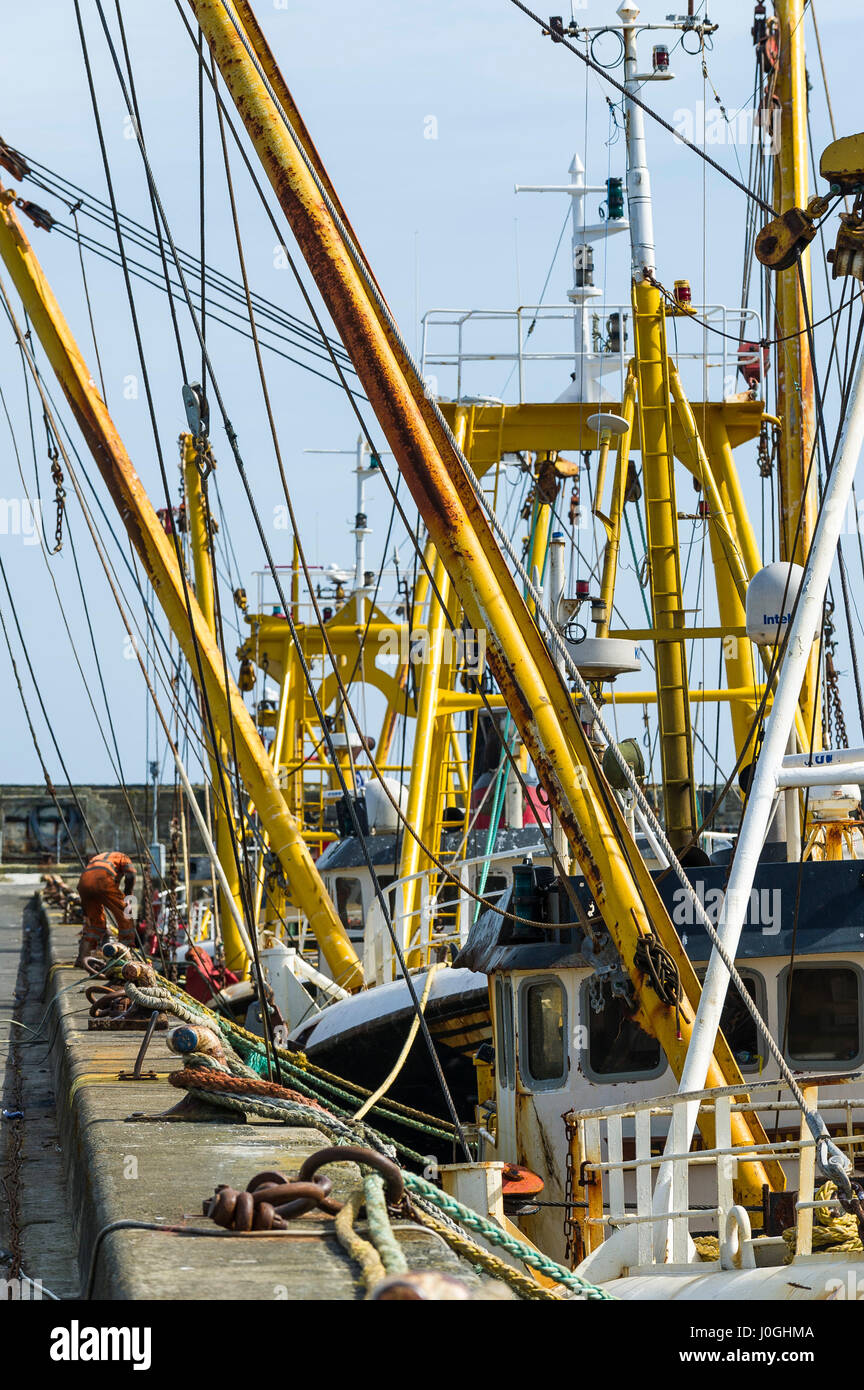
(190, 626)
(428, 757)
(271, 647)
(492, 430)
(518, 657)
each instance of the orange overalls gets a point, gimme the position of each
(99, 888)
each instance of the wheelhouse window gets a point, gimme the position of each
(349, 903)
(824, 1012)
(617, 1044)
(738, 1027)
(504, 1054)
(543, 1034)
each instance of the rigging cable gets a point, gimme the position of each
(286, 607)
(272, 1058)
(49, 785)
(540, 608)
(353, 400)
(649, 111)
(142, 851)
(38, 689)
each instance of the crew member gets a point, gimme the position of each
(99, 887)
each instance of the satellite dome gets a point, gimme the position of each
(771, 597)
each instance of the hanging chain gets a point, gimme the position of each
(767, 451)
(59, 496)
(170, 935)
(836, 720)
(573, 1249)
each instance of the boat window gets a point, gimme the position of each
(824, 1013)
(349, 902)
(542, 1034)
(738, 1027)
(495, 884)
(617, 1045)
(504, 1054)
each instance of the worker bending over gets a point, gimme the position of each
(99, 887)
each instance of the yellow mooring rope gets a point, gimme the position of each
(403, 1055)
(832, 1229)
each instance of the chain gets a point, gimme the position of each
(832, 684)
(767, 452)
(59, 496)
(172, 876)
(572, 1233)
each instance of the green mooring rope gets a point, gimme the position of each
(165, 995)
(494, 1233)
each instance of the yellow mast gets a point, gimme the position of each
(517, 653)
(795, 396)
(664, 564)
(160, 562)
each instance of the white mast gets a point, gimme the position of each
(361, 529)
(638, 179)
(589, 363)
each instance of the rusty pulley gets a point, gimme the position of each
(13, 161)
(517, 1181)
(40, 217)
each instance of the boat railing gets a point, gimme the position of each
(458, 341)
(440, 922)
(616, 1152)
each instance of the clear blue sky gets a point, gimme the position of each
(438, 218)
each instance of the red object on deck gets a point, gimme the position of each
(201, 970)
(752, 365)
(535, 810)
(520, 1182)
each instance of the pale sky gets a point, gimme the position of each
(438, 218)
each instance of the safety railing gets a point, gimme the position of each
(437, 923)
(615, 1154)
(459, 341)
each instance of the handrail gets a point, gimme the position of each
(596, 1139)
(733, 323)
(429, 909)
